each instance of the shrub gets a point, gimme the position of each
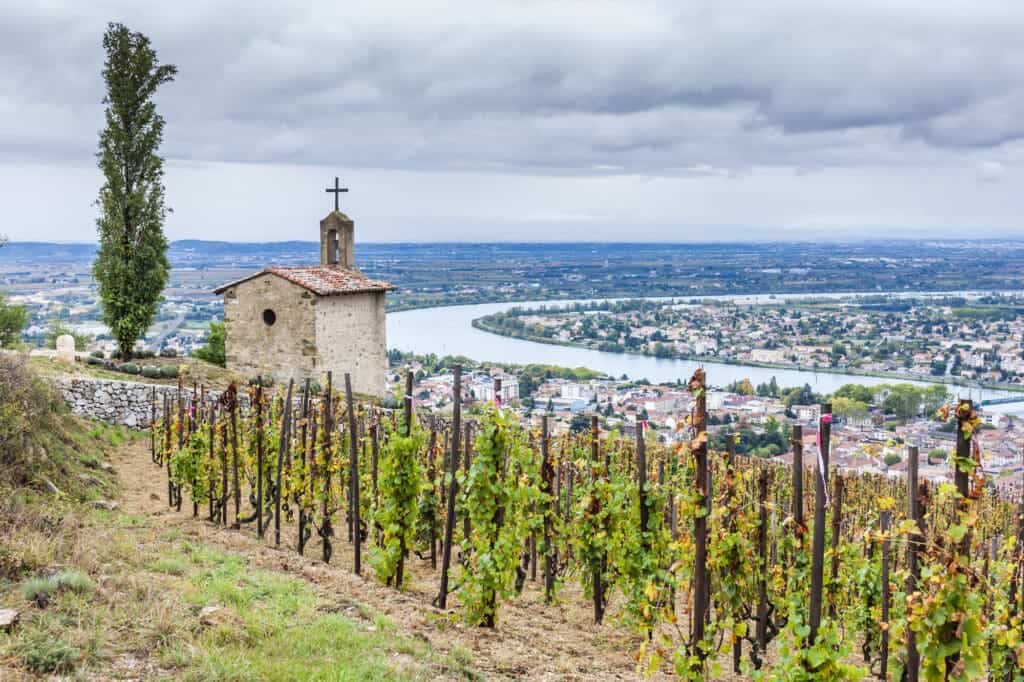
(128, 368)
(143, 354)
(168, 352)
(60, 329)
(41, 590)
(42, 652)
(38, 591)
(96, 354)
(72, 581)
(28, 407)
(213, 352)
(168, 565)
(95, 360)
(151, 371)
(169, 371)
(13, 320)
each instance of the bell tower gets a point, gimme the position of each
(337, 235)
(337, 241)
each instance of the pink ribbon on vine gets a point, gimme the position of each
(824, 419)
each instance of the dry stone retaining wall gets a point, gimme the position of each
(128, 403)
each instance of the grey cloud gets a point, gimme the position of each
(566, 87)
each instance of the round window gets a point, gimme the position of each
(269, 317)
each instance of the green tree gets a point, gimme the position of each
(580, 423)
(904, 401)
(213, 352)
(801, 396)
(131, 266)
(13, 320)
(863, 394)
(849, 408)
(60, 329)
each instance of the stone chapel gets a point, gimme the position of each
(300, 322)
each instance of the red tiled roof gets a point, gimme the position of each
(320, 279)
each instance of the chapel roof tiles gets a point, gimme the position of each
(322, 280)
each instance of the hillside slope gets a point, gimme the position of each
(99, 593)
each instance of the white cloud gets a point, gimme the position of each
(990, 171)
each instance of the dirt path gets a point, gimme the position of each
(532, 641)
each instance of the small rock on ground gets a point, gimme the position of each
(8, 619)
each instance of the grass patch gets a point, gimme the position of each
(267, 626)
(280, 618)
(72, 581)
(148, 607)
(41, 591)
(42, 651)
(168, 565)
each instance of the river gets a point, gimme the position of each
(448, 330)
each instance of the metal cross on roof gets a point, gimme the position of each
(336, 190)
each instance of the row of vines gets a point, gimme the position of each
(718, 561)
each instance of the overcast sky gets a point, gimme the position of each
(533, 120)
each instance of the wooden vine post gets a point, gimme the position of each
(224, 463)
(885, 522)
(467, 461)
(353, 451)
(837, 528)
(233, 403)
(961, 478)
(818, 539)
(282, 449)
(181, 440)
(913, 545)
(547, 483)
(641, 480)
(374, 466)
(327, 528)
(799, 522)
(761, 627)
(407, 413)
(259, 457)
(432, 480)
(212, 424)
(453, 487)
(197, 413)
(701, 592)
(303, 435)
(598, 576)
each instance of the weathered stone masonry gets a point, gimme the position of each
(127, 403)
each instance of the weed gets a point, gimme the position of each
(41, 651)
(168, 565)
(41, 590)
(72, 581)
(38, 591)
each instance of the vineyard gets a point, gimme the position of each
(720, 563)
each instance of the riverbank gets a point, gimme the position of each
(481, 324)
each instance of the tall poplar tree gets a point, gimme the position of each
(131, 266)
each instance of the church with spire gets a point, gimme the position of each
(300, 322)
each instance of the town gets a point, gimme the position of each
(977, 339)
(870, 432)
